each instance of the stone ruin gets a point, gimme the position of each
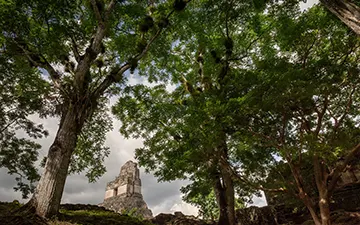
(123, 195)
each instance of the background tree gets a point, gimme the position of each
(83, 49)
(187, 132)
(280, 98)
(307, 101)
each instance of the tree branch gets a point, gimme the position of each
(346, 11)
(116, 73)
(307, 53)
(348, 106)
(97, 11)
(94, 48)
(109, 9)
(9, 124)
(237, 176)
(321, 116)
(265, 137)
(245, 54)
(40, 61)
(75, 49)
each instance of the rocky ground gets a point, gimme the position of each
(76, 214)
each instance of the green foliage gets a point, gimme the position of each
(184, 130)
(99, 217)
(133, 212)
(90, 151)
(22, 93)
(42, 45)
(275, 87)
(208, 208)
(303, 79)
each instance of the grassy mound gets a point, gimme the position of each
(69, 215)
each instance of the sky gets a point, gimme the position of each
(160, 197)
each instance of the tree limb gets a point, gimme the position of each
(321, 116)
(243, 179)
(93, 50)
(97, 11)
(7, 125)
(75, 49)
(348, 106)
(116, 73)
(40, 61)
(346, 11)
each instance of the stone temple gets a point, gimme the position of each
(124, 193)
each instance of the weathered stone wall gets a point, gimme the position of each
(122, 204)
(347, 198)
(124, 193)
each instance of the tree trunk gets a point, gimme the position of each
(48, 193)
(321, 183)
(221, 201)
(226, 178)
(324, 207)
(346, 11)
(230, 197)
(305, 198)
(310, 206)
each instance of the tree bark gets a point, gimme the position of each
(324, 207)
(321, 182)
(305, 198)
(310, 206)
(221, 201)
(225, 185)
(230, 196)
(48, 193)
(346, 11)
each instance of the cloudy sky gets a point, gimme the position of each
(160, 197)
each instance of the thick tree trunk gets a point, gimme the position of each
(346, 11)
(230, 197)
(321, 183)
(311, 207)
(48, 193)
(324, 207)
(221, 201)
(224, 187)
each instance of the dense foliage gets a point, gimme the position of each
(280, 88)
(261, 87)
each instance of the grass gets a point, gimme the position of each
(71, 215)
(99, 216)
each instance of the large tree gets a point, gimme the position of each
(305, 105)
(82, 49)
(187, 131)
(287, 93)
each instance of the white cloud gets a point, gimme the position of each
(307, 4)
(259, 201)
(185, 208)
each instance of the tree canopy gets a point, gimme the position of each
(276, 89)
(259, 86)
